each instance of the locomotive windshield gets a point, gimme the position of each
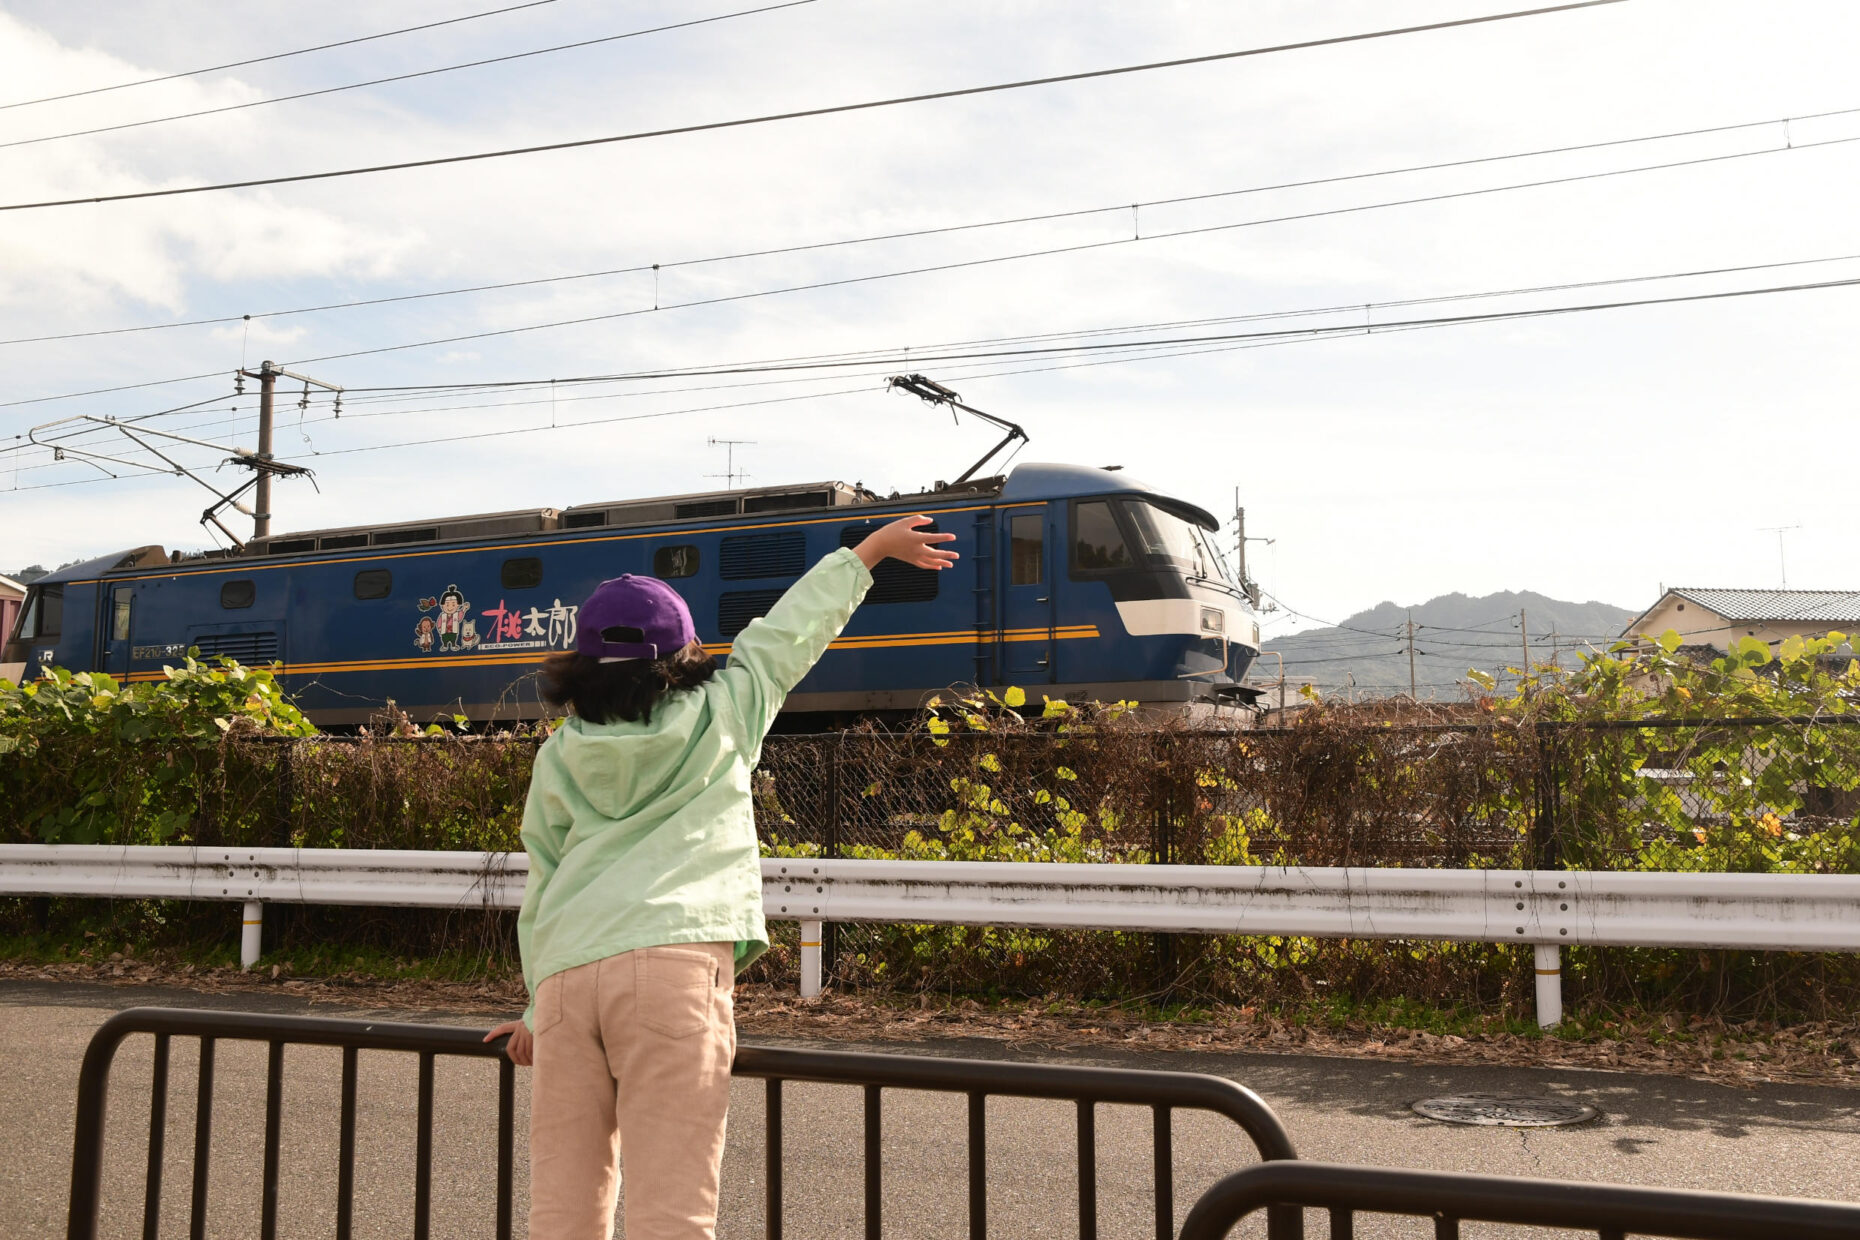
(44, 613)
(1167, 537)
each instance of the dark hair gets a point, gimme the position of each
(600, 692)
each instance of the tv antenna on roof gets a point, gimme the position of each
(934, 392)
(1781, 563)
(730, 473)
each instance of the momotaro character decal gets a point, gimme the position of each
(423, 633)
(468, 634)
(452, 609)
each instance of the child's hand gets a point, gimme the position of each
(522, 1045)
(904, 541)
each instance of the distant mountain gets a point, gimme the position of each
(1368, 652)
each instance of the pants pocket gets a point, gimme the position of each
(677, 990)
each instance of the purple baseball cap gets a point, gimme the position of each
(633, 618)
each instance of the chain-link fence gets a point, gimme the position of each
(1773, 794)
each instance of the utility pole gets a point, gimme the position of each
(268, 375)
(1411, 686)
(1524, 632)
(1247, 585)
(729, 474)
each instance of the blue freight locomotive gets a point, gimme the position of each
(1074, 582)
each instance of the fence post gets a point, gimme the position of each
(1546, 854)
(1549, 985)
(830, 847)
(810, 959)
(1162, 848)
(275, 915)
(252, 934)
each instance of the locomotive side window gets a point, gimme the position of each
(237, 594)
(120, 600)
(894, 581)
(681, 561)
(522, 574)
(1026, 534)
(44, 615)
(1097, 543)
(373, 583)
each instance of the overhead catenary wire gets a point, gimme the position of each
(808, 113)
(1210, 342)
(400, 77)
(259, 60)
(1780, 123)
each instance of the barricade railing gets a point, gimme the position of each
(1611, 1211)
(426, 1041)
(1164, 1093)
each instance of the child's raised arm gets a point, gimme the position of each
(771, 655)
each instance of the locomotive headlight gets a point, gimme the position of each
(1213, 620)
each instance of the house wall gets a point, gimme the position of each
(1700, 625)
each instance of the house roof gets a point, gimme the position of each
(8, 585)
(1745, 606)
(1808, 606)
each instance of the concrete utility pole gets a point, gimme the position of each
(1248, 586)
(1524, 632)
(268, 375)
(1412, 692)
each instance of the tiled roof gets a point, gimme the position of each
(1804, 606)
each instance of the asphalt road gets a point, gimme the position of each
(1795, 1140)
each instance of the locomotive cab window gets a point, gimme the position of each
(373, 583)
(237, 594)
(121, 599)
(521, 574)
(44, 614)
(679, 561)
(1098, 544)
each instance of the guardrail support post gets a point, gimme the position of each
(1549, 986)
(252, 934)
(810, 959)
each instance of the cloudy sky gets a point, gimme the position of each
(1586, 456)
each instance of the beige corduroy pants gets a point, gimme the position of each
(632, 1068)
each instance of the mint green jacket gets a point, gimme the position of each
(643, 834)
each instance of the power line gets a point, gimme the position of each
(259, 60)
(1351, 329)
(1045, 217)
(800, 114)
(399, 77)
(1049, 252)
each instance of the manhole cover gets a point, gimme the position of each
(1505, 1110)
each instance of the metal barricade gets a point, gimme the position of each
(1164, 1093)
(426, 1041)
(1611, 1211)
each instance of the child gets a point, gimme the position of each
(645, 889)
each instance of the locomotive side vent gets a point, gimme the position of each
(250, 649)
(707, 508)
(783, 500)
(737, 608)
(762, 555)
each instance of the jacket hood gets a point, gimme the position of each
(622, 766)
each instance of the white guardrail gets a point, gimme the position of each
(1545, 908)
